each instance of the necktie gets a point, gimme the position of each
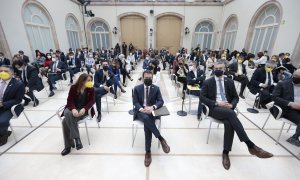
(222, 90)
(269, 79)
(2, 85)
(24, 77)
(147, 95)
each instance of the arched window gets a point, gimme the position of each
(100, 35)
(230, 34)
(73, 31)
(265, 30)
(38, 28)
(204, 35)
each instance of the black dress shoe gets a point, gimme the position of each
(124, 85)
(199, 117)
(66, 151)
(148, 159)
(26, 102)
(115, 96)
(99, 117)
(242, 96)
(3, 139)
(51, 94)
(36, 103)
(226, 161)
(165, 146)
(78, 143)
(123, 91)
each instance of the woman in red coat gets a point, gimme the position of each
(81, 98)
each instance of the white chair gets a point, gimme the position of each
(15, 116)
(83, 121)
(206, 116)
(279, 118)
(137, 123)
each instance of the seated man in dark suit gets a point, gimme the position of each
(74, 64)
(263, 81)
(24, 57)
(146, 98)
(195, 77)
(103, 81)
(30, 77)
(3, 60)
(11, 93)
(287, 95)
(55, 71)
(219, 94)
(238, 71)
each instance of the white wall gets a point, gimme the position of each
(12, 22)
(288, 32)
(14, 29)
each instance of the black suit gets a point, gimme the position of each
(12, 95)
(25, 59)
(54, 75)
(4, 61)
(228, 116)
(154, 98)
(31, 79)
(283, 94)
(100, 80)
(243, 79)
(259, 76)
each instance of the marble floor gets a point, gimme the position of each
(36, 153)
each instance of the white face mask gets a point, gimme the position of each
(130, 54)
(53, 59)
(79, 53)
(49, 57)
(71, 57)
(90, 56)
(191, 68)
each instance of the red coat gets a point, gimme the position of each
(90, 99)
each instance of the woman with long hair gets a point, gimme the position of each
(81, 98)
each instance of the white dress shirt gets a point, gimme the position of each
(5, 86)
(296, 94)
(219, 99)
(240, 69)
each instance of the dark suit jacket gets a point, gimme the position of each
(100, 80)
(73, 95)
(199, 79)
(233, 68)
(209, 92)
(13, 95)
(5, 61)
(155, 97)
(34, 81)
(259, 76)
(25, 59)
(283, 94)
(77, 63)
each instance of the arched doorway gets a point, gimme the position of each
(133, 30)
(168, 32)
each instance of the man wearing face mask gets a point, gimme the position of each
(146, 98)
(74, 65)
(55, 71)
(263, 81)
(287, 95)
(11, 93)
(238, 71)
(124, 49)
(3, 60)
(103, 82)
(220, 95)
(31, 80)
(195, 77)
(89, 63)
(24, 57)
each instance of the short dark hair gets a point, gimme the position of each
(19, 62)
(147, 72)
(104, 61)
